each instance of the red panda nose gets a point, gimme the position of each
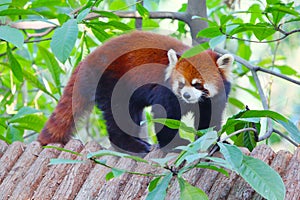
(186, 95)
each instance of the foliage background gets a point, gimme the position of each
(32, 78)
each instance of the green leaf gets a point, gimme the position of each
(237, 103)
(246, 139)
(24, 111)
(210, 32)
(287, 124)
(273, 2)
(15, 11)
(114, 153)
(208, 165)
(287, 70)
(62, 149)
(82, 14)
(201, 144)
(256, 13)
(34, 81)
(58, 161)
(142, 11)
(278, 11)
(64, 39)
(174, 124)
(163, 161)
(153, 183)
(263, 30)
(195, 50)
(100, 34)
(265, 180)
(12, 35)
(216, 40)
(160, 191)
(30, 122)
(244, 50)
(205, 141)
(119, 25)
(117, 172)
(109, 175)
(193, 157)
(52, 65)
(14, 65)
(232, 154)
(13, 133)
(4, 4)
(187, 191)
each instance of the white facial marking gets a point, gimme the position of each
(195, 80)
(175, 86)
(190, 94)
(172, 63)
(189, 119)
(211, 89)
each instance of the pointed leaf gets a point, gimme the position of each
(58, 161)
(265, 180)
(52, 65)
(34, 81)
(12, 35)
(160, 191)
(14, 65)
(64, 39)
(187, 191)
(232, 154)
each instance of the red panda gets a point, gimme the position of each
(136, 70)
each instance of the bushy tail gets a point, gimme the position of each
(60, 126)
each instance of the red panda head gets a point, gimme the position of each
(200, 76)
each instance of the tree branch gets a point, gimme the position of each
(134, 14)
(256, 68)
(238, 132)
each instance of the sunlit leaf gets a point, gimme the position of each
(160, 191)
(265, 180)
(64, 39)
(12, 35)
(187, 191)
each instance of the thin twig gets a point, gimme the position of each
(287, 138)
(286, 34)
(256, 68)
(238, 132)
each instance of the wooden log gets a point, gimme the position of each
(26, 187)
(77, 174)
(96, 179)
(56, 173)
(112, 189)
(3, 147)
(18, 172)
(136, 186)
(10, 157)
(292, 177)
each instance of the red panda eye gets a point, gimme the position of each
(198, 86)
(180, 85)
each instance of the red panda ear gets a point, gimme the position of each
(172, 63)
(224, 63)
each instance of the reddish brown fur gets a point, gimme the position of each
(79, 94)
(202, 66)
(60, 125)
